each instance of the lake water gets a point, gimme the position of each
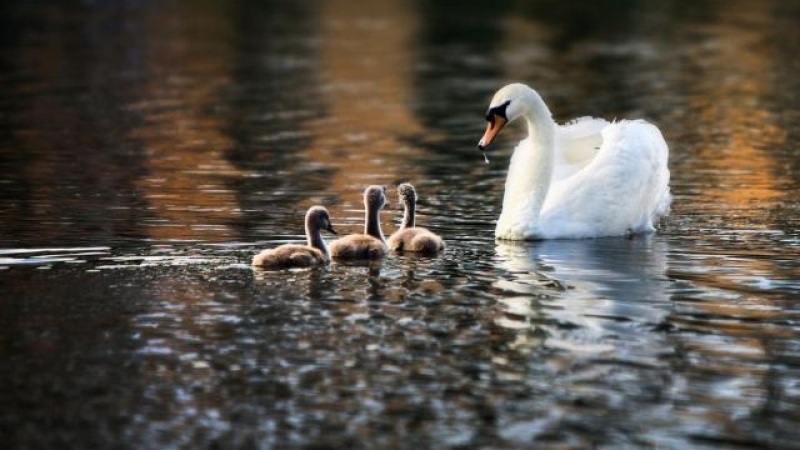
(149, 149)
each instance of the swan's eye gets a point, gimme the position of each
(499, 110)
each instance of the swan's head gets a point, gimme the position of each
(319, 219)
(407, 194)
(375, 197)
(506, 106)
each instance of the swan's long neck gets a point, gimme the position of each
(409, 213)
(531, 167)
(314, 237)
(372, 223)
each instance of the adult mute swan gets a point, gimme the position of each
(588, 178)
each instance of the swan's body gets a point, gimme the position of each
(358, 247)
(589, 178)
(410, 238)
(315, 253)
(371, 244)
(289, 256)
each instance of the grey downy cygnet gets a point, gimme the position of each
(371, 244)
(410, 238)
(314, 253)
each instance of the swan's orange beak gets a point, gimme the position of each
(492, 129)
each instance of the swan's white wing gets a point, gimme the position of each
(577, 143)
(624, 188)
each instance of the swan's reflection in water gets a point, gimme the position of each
(602, 296)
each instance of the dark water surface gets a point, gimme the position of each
(149, 149)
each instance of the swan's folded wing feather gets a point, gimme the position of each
(577, 143)
(625, 186)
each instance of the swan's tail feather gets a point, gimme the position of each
(664, 204)
(664, 199)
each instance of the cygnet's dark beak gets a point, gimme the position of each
(330, 229)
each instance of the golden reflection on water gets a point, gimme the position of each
(735, 174)
(367, 58)
(735, 167)
(736, 156)
(184, 141)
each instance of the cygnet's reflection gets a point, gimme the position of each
(588, 292)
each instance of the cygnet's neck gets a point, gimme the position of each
(409, 212)
(372, 222)
(314, 236)
(532, 164)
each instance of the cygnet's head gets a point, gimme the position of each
(318, 218)
(407, 194)
(375, 197)
(506, 106)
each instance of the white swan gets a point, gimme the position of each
(588, 178)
